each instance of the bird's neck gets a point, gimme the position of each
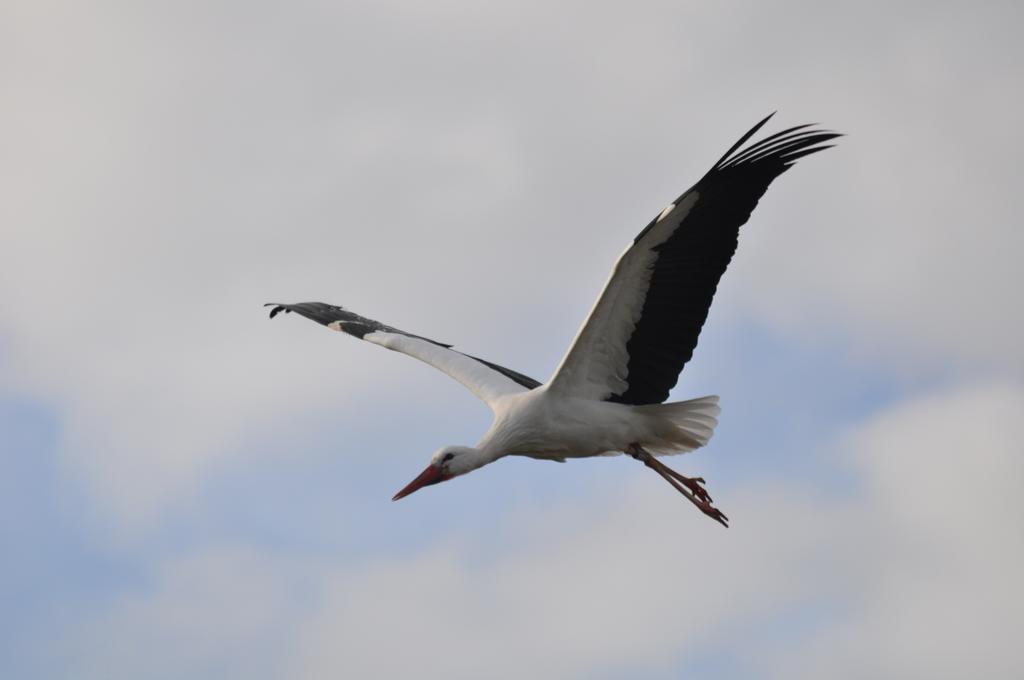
(484, 455)
(508, 435)
(487, 451)
(469, 459)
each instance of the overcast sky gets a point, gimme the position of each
(190, 490)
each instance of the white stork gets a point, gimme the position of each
(606, 396)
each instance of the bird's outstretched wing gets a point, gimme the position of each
(644, 327)
(484, 379)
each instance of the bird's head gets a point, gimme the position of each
(451, 461)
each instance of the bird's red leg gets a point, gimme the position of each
(688, 486)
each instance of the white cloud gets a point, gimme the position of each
(939, 553)
(923, 564)
(214, 613)
(916, 573)
(920, 572)
(636, 583)
(902, 239)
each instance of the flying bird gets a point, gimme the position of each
(606, 397)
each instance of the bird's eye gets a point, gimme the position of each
(447, 457)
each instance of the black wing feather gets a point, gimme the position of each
(691, 262)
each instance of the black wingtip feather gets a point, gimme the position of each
(790, 158)
(778, 148)
(277, 309)
(750, 133)
(769, 141)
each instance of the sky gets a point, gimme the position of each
(190, 490)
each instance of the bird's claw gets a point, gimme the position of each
(695, 485)
(713, 512)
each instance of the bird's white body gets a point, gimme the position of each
(539, 424)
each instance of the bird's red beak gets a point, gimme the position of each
(432, 475)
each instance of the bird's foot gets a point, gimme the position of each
(694, 484)
(713, 512)
(691, 487)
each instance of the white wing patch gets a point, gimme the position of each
(597, 364)
(487, 384)
(664, 213)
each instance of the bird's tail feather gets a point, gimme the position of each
(687, 425)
